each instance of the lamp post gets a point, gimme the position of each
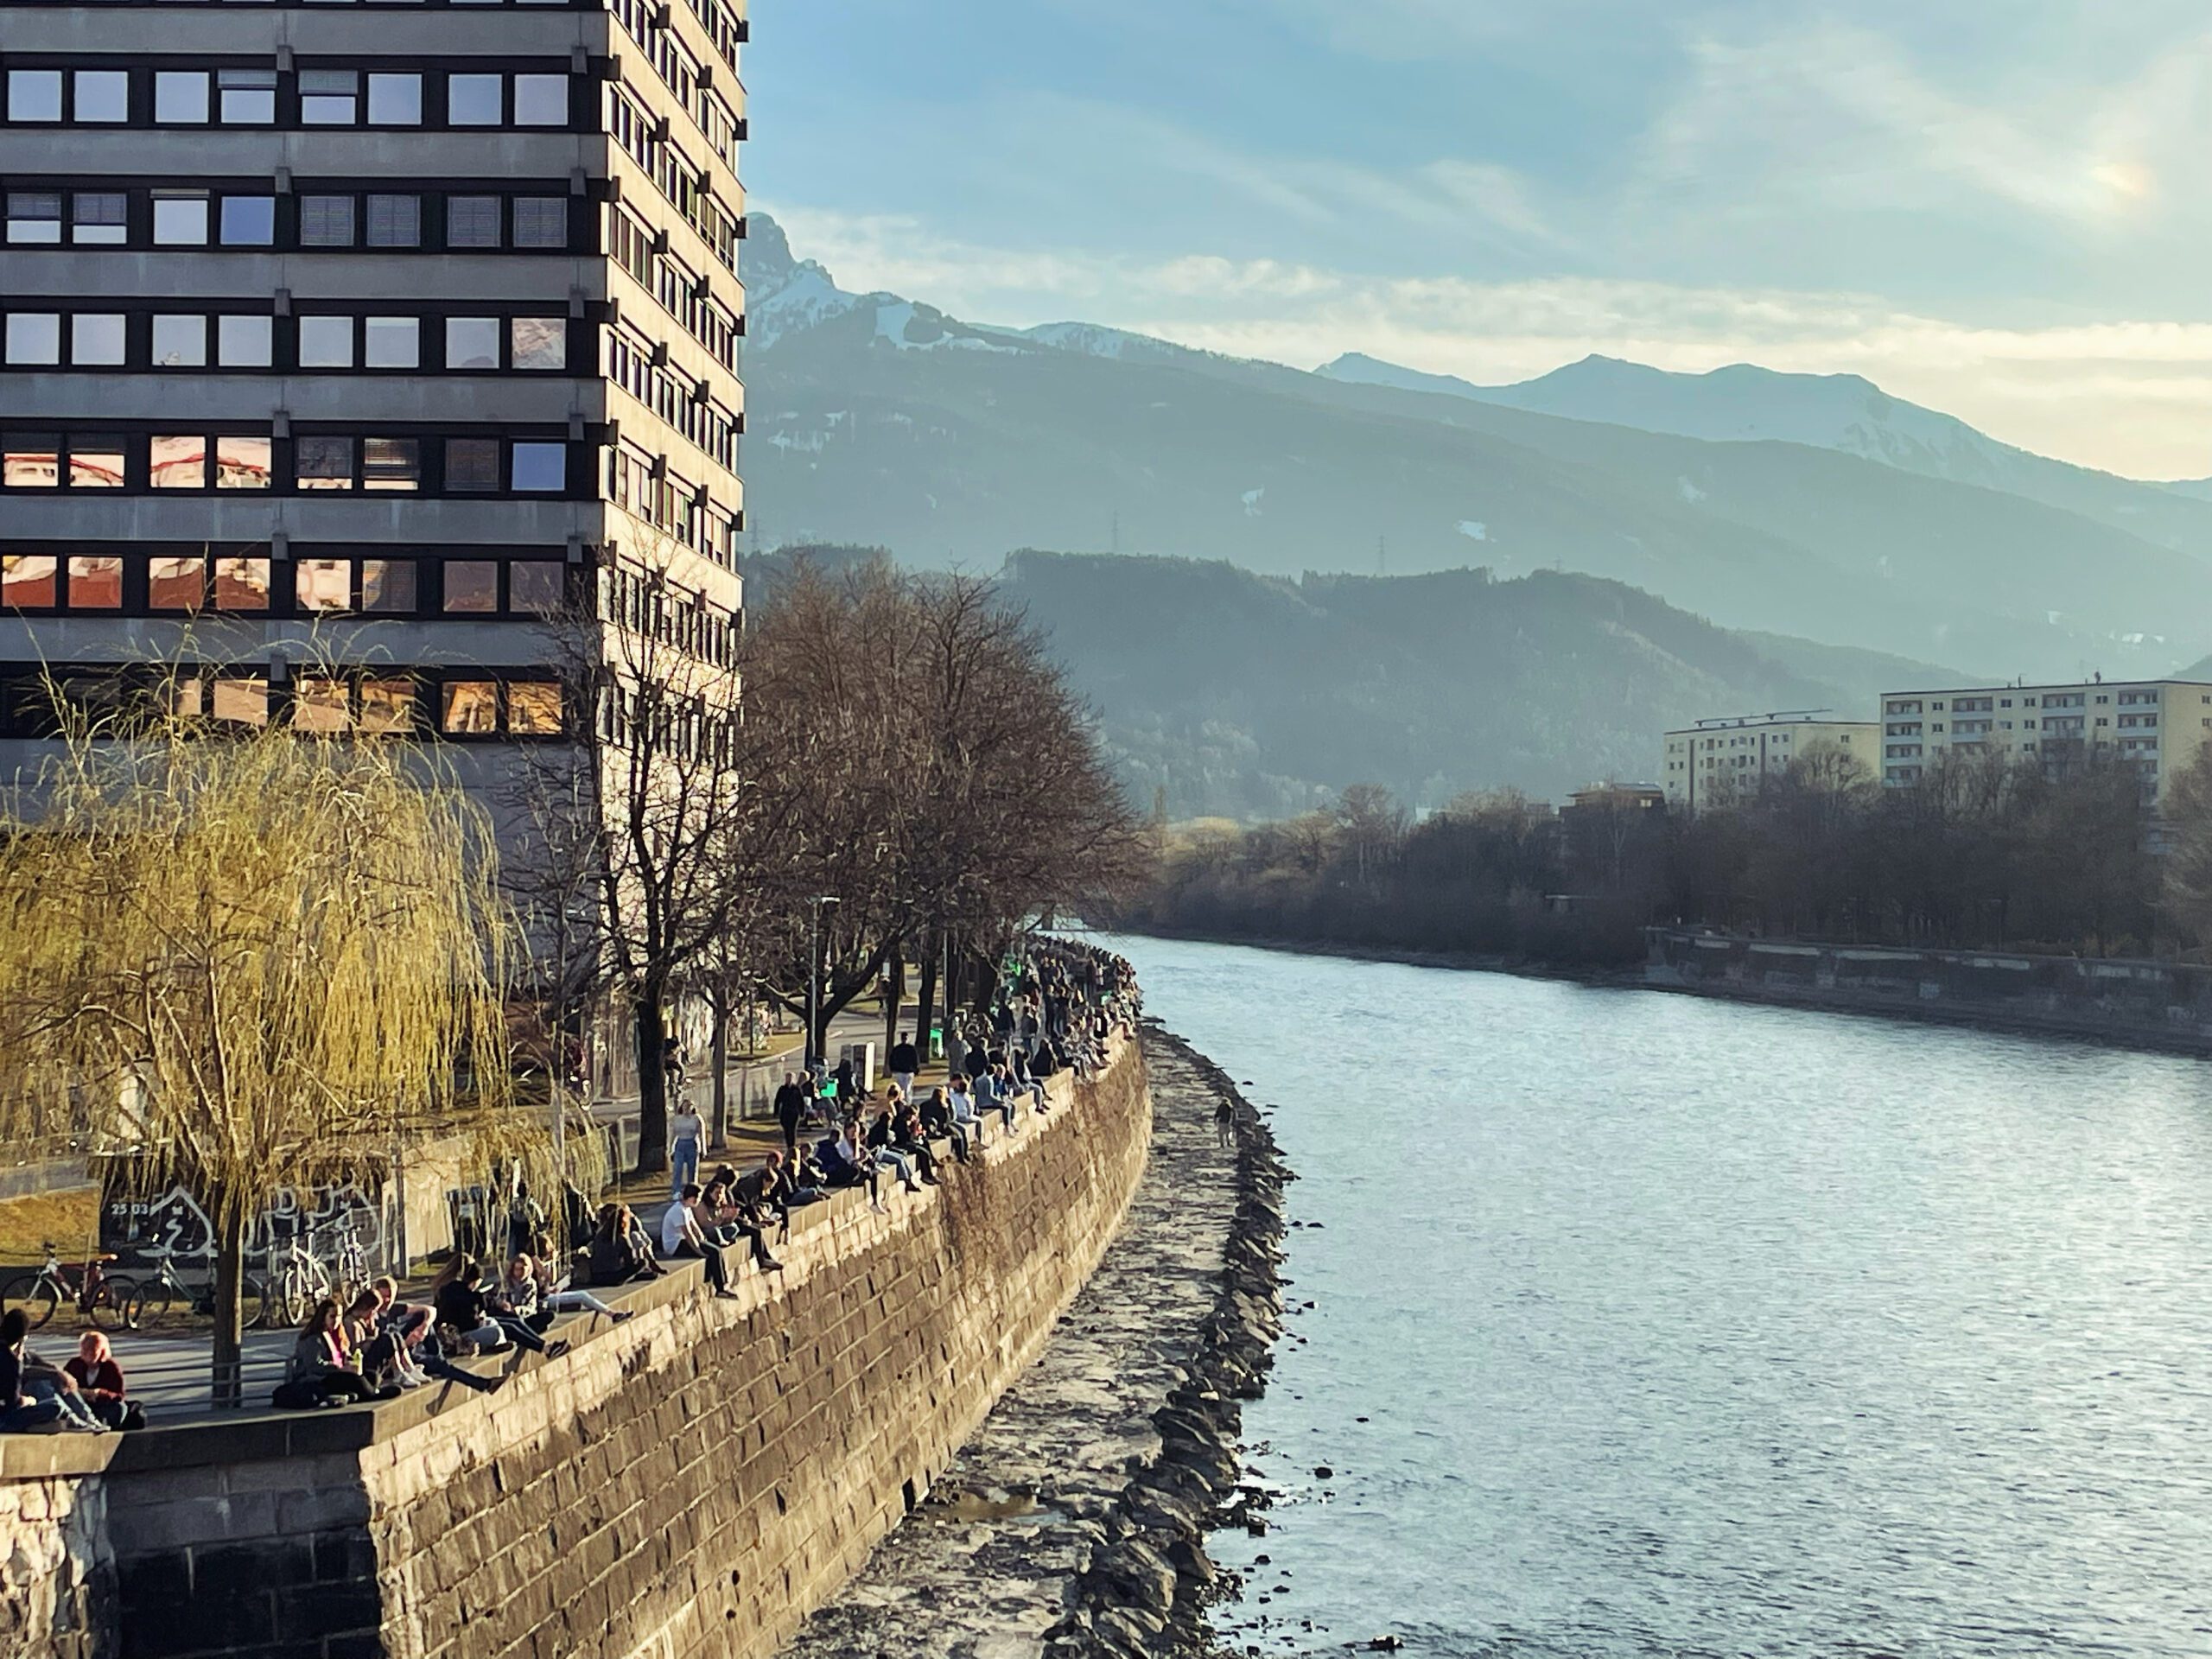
(814, 971)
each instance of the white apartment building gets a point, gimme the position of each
(1720, 760)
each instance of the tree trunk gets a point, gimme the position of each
(720, 1061)
(952, 984)
(926, 1002)
(651, 1031)
(226, 1382)
(896, 982)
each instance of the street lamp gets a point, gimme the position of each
(814, 970)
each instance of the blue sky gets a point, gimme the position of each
(2000, 209)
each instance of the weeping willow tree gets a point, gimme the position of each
(247, 961)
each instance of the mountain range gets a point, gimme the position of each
(1800, 505)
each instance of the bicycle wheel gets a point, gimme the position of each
(111, 1302)
(253, 1303)
(33, 1294)
(154, 1307)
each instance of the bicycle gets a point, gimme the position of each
(349, 1262)
(102, 1298)
(295, 1282)
(167, 1300)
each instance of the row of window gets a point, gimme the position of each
(642, 485)
(144, 462)
(185, 581)
(196, 340)
(681, 404)
(256, 217)
(451, 703)
(241, 96)
(685, 295)
(647, 605)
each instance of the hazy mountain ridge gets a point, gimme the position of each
(879, 419)
(1255, 696)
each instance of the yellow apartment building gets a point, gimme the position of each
(1718, 760)
(2159, 725)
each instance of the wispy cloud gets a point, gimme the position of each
(2108, 393)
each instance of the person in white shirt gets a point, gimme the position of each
(681, 1236)
(967, 1123)
(686, 1135)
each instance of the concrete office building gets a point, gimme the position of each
(1719, 760)
(366, 328)
(343, 343)
(2157, 726)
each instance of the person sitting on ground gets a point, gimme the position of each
(528, 1278)
(904, 1061)
(682, 1236)
(99, 1382)
(320, 1370)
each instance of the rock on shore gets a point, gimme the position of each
(1073, 1525)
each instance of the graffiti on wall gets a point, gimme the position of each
(174, 1226)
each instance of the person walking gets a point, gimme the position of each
(904, 1060)
(686, 1135)
(791, 1110)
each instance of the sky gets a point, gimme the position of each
(1996, 207)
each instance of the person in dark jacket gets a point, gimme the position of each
(791, 1110)
(903, 1062)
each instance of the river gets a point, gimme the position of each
(1651, 1326)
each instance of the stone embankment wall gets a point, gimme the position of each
(691, 1483)
(1073, 1525)
(57, 1571)
(2150, 1004)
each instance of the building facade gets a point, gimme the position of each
(1719, 760)
(344, 345)
(2156, 725)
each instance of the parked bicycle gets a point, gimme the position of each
(294, 1281)
(166, 1301)
(101, 1297)
(349, 1262)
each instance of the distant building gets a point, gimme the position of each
(2158, 725)
(1717, 760)
(1636, 797)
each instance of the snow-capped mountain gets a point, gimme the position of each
(1848, 413)
(876, 418)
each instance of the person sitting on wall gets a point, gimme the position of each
(464, 1309)
(411, 1320)
(378, 1353)
(530, 1279)
(806, 1181)
(615, 1257)
(881, 1141)
(907, 1135)
(682, 1236)
(21, 1412)
(964, 1123)
(515, 1303)
(724, 1219)
(846, 1162)
(100, 1383)
(320, 1370)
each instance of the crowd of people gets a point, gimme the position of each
(1061, 1009)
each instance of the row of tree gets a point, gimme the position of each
(1977, 854)
(886, 772)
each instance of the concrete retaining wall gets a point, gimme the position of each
(2152, 1004)
(691, 1483)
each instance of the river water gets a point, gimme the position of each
(1687, 1328)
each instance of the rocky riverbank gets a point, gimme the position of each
(1073, 1525)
